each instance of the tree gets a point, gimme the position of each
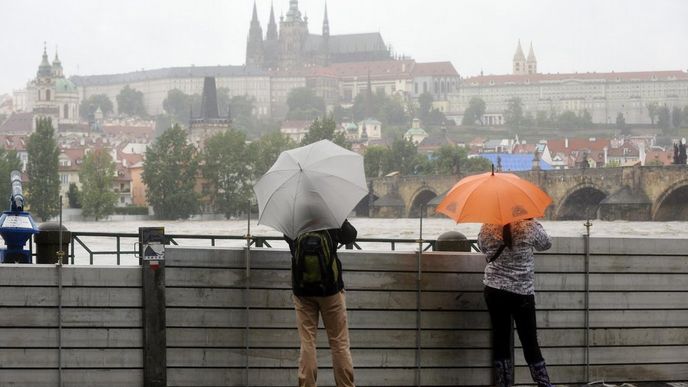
(652, 110)
(264, 152)
(169, 172)
(513, 115)
(474, 112)
(424, 105)
(664, 118)
(373, 160)
(676, 117)
(74, 196)
(41, 169)
(567, 120)
(88, 106)
(178, 105)
(242, 111)
(227, 173)
(130, 102)
(9, 161)
(621, 123)
(325, 130)
(304, 104)
(402, 157)
(97, 175)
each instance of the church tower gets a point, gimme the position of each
(519, 64)
(531, 63)
(325, 43)
(272, 26)
(254, 45)
(292, 36)
(57, 67)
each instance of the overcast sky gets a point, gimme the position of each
(102, 37)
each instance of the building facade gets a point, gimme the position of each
(603, 95)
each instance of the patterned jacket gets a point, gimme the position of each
(514, 269)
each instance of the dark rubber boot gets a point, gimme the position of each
(503, 373)
(539, 373)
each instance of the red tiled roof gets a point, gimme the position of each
(499, 80)
(657, 155)
(18, 123)
(296, 124)
(592, 144)
(376, 69)
(434, 68)
(14, 142)
(115, 130)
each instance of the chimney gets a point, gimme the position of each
(566, 142)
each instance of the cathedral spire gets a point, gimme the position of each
(293, 14)
(531, 63)
(254, 44)
(326, 24)
(518, 56)
(519, 63)
(272, 26)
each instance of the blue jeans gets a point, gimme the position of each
(502, 306)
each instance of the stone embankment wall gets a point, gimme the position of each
(232, 324)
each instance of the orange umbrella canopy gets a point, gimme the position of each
(495, 198)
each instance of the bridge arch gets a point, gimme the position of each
(580, 202)
(672, 203)
(420, 198)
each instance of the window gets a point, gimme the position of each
(415, 88)
(47, 95)
(66, 111)
(425, 87)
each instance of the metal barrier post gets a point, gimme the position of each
(152, 254)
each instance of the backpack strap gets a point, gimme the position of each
(496, 255)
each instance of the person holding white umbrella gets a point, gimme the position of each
(307, 195)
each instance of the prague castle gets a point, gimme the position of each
(293, 46)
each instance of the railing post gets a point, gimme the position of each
(152, 253)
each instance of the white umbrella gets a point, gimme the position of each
(310, 188)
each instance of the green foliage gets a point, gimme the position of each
(676, 117)
(325, 129)
(9, 161)
(264, 152)
(621, 123)
(428, 115)
(373, 161)
(131, 210)
(41, 169)
(569, 120)
(304, 104)
(652, 110)
(97, 175)
(88, 106)
(74, 196)
(403, 157)
(389, 110)
(474, 112)
(664, 119)
(179, 105)
(130, 102)
(169, 172)
(513, 115)
(226, 172)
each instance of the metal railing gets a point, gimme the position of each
(80, 240)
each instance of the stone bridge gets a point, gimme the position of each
(629, 193)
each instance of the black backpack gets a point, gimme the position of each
(314, 267)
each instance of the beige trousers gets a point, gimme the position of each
(333, 310)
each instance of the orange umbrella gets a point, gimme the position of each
(495, 198)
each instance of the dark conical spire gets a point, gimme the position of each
(272, 26)
(254, 44)
(44, 70)
(326, 24)
(209, 100)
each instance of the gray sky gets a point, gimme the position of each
(99, 37)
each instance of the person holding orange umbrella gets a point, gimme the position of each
(506, 205)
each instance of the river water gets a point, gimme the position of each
(367, 228)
